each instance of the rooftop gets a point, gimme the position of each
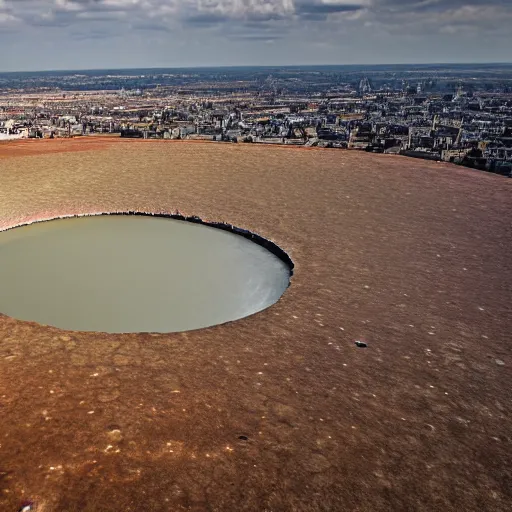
(281, 410)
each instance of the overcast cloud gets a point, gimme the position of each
(74, 34)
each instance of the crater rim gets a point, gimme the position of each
(249, 235)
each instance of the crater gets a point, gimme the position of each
(124, 273)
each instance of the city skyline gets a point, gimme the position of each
(98, 34)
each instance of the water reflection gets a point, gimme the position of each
(134, 274)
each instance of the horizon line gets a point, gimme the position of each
(246, 66)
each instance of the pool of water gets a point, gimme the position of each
(134, 274)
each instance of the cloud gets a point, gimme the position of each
(200, 13)
(298, 27)
(320, 9)
(441, 16)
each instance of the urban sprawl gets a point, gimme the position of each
(459, 113)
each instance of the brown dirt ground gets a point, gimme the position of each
(411, 256)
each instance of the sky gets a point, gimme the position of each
(93, 34)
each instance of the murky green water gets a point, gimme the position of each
(134, 274)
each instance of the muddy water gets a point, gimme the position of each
(134, 274)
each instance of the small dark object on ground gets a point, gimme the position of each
(361, 344)
(243, 438)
